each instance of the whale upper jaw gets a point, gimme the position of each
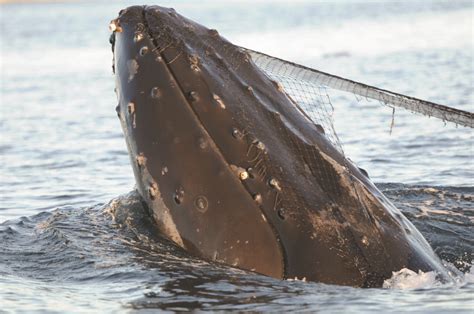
(233, 171)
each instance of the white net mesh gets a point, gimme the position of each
(310, 90)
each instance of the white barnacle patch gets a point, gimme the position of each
(274, 184)
(143, 51)
(243, 175)
(365, 240)
(164, 170)
(260, 145)
(114, 26)
(194, 60)
(138, 37)
(141, 160)
(153, 190)
(241, 172)
(218, 100)
(280, 87)
(132, 66)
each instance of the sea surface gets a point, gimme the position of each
(74, 236)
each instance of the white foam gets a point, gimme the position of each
(408, 279)
(469, 276)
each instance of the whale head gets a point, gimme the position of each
(232, 169)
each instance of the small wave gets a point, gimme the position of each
(115, 253)
(406, 279)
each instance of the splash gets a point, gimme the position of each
(408, 279)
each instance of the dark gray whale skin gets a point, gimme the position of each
(233, 171)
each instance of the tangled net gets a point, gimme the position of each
(310, 89)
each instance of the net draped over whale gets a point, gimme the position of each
(310, 89)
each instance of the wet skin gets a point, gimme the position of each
(233, 171)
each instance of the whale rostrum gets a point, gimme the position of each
(232, 170)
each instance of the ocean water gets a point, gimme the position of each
(74, 236)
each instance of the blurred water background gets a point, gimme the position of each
(73, 238)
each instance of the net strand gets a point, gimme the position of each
(283, 70)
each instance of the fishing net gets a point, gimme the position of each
(310, 89)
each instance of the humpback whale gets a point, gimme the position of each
(233, 170)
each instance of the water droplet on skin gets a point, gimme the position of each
(201, 203)
(237, 133)
(155, 93)
(143, 51)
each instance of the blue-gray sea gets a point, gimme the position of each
(74, 236)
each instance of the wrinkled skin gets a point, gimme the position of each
(233, 171)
